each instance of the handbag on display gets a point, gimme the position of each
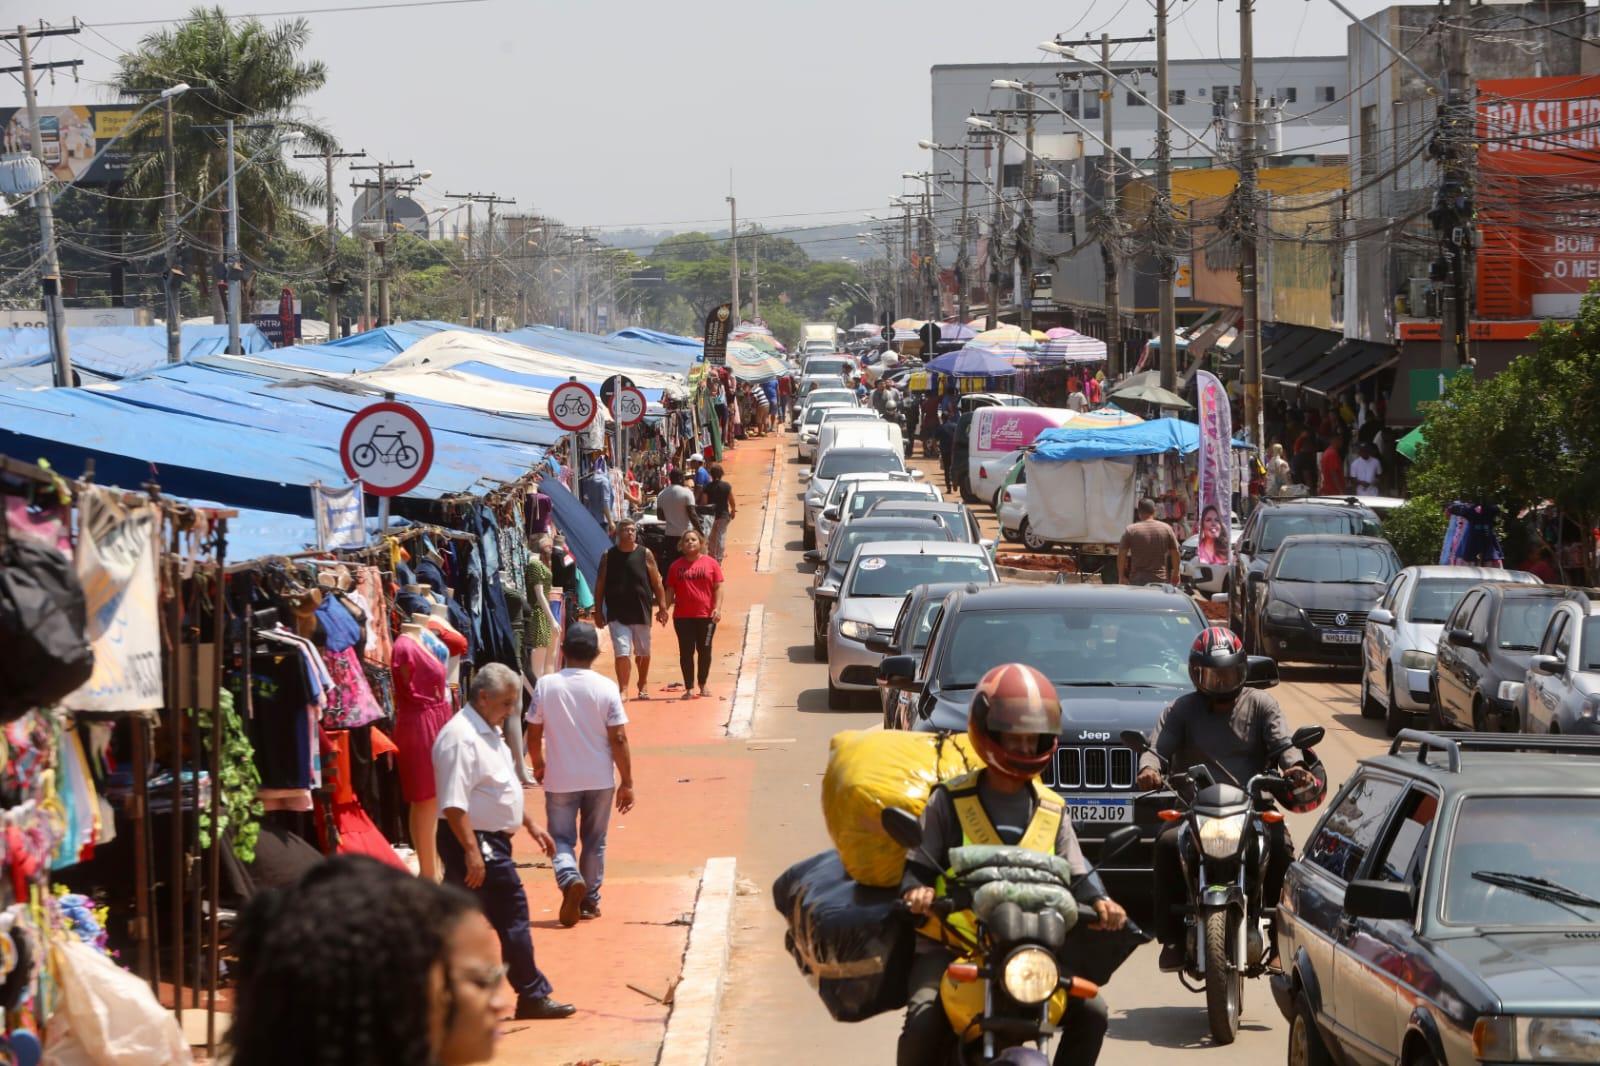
(43, 627)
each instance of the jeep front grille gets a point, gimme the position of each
(1091, 769)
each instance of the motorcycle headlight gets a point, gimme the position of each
(1510, 691)
(1417, 660)
(1219, 837)
(1508, 1039)
(1030, 976)
(1283, 613)
(856, 630)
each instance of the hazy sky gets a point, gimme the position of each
(621, 113)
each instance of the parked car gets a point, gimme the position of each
(1378, 505)
(1264, 530)
(913, 627)
(869, 599)
(1118, 654)
(819, 480)
(1205, 577)
(995, 441)
(958, 516)
(850, 499)
(811, 430)
(1316, 594)
(1483, 658)
(1562, 691)
(1443, 911)
(832, 564)
(808, 417)
(1402, 637)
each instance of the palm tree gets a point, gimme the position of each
(237, 69)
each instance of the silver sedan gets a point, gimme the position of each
(1562, 693)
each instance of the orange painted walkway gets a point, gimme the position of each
(692, 788)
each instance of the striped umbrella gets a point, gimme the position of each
(1069, 346)
(1106, 416)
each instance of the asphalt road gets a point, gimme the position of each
(770, 1014)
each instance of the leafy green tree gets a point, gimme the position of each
(239, 69)
(692, 247)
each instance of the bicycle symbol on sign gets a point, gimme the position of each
(395, 452)
(573, 405)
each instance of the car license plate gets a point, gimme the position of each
(1100, 810)
(1341, 636)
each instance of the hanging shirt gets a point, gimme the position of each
(539, 509)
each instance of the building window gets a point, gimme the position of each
(1199, 91)
(1290, 94)
(1326, 94)
(1091, 103)
(1134, 99)
(1069, 102)
(1176, 97)
(1220, 94)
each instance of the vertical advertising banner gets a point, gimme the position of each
(718, 323)
(1216, 471)
(116, 563)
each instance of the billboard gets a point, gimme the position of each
(69, 138)
(1538, 174)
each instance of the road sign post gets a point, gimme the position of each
(388, 447)
(572, 407)
(613, 391)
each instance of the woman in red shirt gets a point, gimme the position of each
(694, 595)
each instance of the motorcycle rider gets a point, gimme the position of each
(1233, 731)
(1014, 722)
(885, 399)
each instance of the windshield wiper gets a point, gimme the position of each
(1539, 888)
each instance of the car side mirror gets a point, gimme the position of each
(1461, 638)
(805, 475)
(1256, 577)
(1203, 575)
(1546, 664)
(1219, 597)
(987, 544)
(831, 514)
(1378, 900)
(918, 475)
(1381, 616)
(824, 593)
(812, 556)
(899, 672)
(1260, 672)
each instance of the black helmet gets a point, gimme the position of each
(1217, 663)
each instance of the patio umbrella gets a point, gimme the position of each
(1039, 335)
(970, 362)
(1106, 416)
(1072, 347)
(1154, 394)
(955, 331)
(1004, 336)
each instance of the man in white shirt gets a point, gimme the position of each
(577, 730)
(676, 506)
(1365, 471)
(480, 807)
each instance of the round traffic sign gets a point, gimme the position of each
(630, 406)
(572, 406)
(387, 447)
(609, 387)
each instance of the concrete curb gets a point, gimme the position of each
(692, 1026)
(769, 521)
(744, 693)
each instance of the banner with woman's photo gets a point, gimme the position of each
(1216, 470)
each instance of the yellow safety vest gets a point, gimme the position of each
(976, 828)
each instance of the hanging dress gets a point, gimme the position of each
(421, 710)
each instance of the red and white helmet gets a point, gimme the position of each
(1017, 699)
(1217, 663)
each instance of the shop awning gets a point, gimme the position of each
(1347, 364)
(1291, 357)
(1205, 336)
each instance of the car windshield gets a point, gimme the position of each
(1522, 621)
(1277, 527)
(818, 367)
(865, 498)
(1436, 597)
(830, 395)
(1591, 643)
(1102, 646)
(1524, 860)
(1335, 564)
(849, 538)
(1015, 401)
(836, 463)
(895, 575)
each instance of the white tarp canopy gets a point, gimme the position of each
(449, 348)
(1084, 502)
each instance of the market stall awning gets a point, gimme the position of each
(1295, 351)
(1155, 437)
(1347, 364)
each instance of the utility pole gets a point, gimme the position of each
(1452, 211)
(381, 244)
(1025, 241)
(230, 254)
(169, 219)
(733, 244)
(1109, 236)
(488, 293)
(908, 299)
(466, 262)
(755, 274)
(1249, 274)
(961, 243)
(1168, 311)
(50, 276)
(993, 317)
(335, 278)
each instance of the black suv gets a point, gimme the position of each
(1118, 655)
(1446, 911)
(1266, 529)
(1312, 603)
(1484, 652)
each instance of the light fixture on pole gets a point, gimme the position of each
(1067, 52)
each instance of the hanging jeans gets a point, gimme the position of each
(694, 638)
(579, 820)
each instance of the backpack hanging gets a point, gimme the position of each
(43, 626)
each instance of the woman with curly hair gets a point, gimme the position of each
(361, 965)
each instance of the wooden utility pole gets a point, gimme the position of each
(993, 318)
(1249, 250)
(1025, 236)
(733, 246)
(335, 278)
(1167, 314)
(961, 243)
(1452, 214)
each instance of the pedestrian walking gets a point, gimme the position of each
(480, 802)
(694, 595)
(699, 476)
(676, 506)
(1278, 472)
(1148, 552)
(577, 731)
(627, 587)
(1365, 471)
(719, 495)
(946, 435)
(1331, 467)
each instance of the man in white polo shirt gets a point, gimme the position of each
(480, 807)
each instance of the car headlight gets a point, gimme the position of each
(1590, 709)
(1510, 691)
(1281, 612)
(1508, 1039)
(1219, 837)
(1030, 976)
(861, 631)
(1417, 660)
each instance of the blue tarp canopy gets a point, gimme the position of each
(655, 336)
(1155, 437)
(586, 539)
(121, 351)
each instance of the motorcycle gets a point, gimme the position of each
(1223, 849)
(1024, 909)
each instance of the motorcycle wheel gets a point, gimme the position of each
(1224, 980)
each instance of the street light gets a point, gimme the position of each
(1017, 86)
(1067, 53)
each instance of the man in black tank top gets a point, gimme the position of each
(625, 591)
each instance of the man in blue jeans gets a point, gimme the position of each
(577, 731)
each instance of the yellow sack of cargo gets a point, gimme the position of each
(869, 771)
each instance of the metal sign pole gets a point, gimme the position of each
(383, 501)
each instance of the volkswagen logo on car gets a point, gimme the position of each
(1341, 619)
